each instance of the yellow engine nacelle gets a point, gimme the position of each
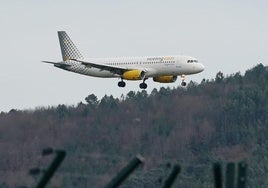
(165, 79)
(133, 75)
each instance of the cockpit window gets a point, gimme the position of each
(192, 61)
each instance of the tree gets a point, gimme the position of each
(4, 185)
(154, 92)
(108, 102)
(62, 111)
(219, 77)
(92, 100)
(131, 95)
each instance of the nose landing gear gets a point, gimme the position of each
(183, 83)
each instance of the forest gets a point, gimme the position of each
(224, 119)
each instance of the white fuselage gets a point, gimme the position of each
(163, 69)
(153, 66)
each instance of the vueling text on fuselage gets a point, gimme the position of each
(170, 58)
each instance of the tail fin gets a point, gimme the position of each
(68, 49)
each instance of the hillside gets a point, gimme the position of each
(223, 119)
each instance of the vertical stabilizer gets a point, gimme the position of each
(68, 49)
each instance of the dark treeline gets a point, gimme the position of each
(223, 119)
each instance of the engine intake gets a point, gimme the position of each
(133, 75)
(165, 79)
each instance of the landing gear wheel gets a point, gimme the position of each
(143, 85)
(183, 84)
(121, 84)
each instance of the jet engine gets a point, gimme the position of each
(133, 75)
(165, 79)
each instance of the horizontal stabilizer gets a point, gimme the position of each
(57, 64)
(51, 62)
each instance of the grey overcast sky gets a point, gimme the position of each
(224, 35)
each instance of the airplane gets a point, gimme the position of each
(163, 69)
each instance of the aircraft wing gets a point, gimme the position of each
(112, 69)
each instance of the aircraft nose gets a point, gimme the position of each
(202, 67)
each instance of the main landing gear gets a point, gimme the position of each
(183, 83)
(143, 85)
(121, 83)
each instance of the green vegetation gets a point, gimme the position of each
(224, 119)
